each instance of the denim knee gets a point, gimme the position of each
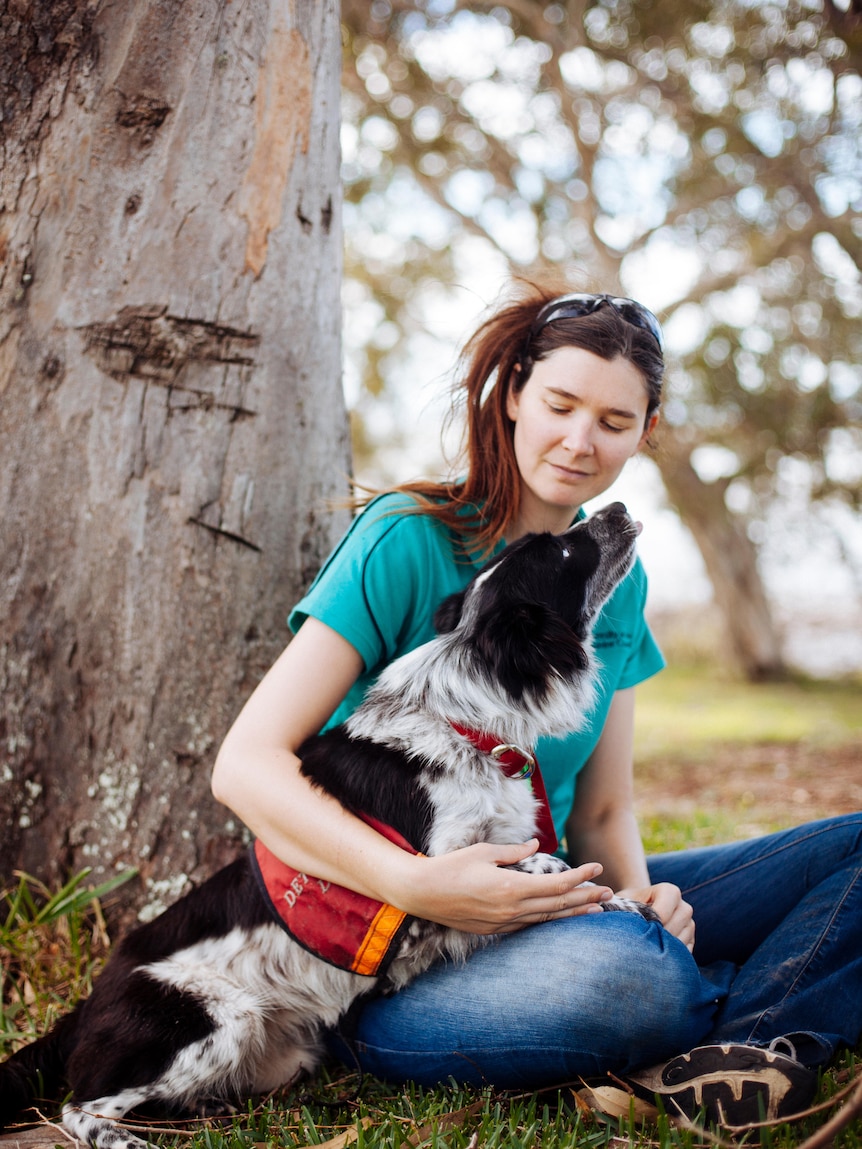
(651, 999)
(573, 997)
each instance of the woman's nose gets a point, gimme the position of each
(579, 435)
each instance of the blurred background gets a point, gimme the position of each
(703, 158)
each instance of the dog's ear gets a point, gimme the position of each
(448, 613)
(527, 645)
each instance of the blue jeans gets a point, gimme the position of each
(778, 952)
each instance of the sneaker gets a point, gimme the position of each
(730, 1085)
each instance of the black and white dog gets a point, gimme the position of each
(217, 999)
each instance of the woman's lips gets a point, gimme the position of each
(573, 473)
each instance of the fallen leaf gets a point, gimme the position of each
(445, 1121)
(614, 1102)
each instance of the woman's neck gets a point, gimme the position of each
(539, 519)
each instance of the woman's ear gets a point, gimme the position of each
(652, 423)
(513, 393)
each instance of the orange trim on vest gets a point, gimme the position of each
(375, 945)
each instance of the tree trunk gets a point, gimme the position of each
(730, 558)
(171, 424)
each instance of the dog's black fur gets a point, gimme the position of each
(213, 1000)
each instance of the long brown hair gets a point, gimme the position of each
(500, 354)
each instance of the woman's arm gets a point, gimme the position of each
(257, 775)
(602, 824)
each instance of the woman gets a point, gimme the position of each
(560, 392)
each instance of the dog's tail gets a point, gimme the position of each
(38, 1070)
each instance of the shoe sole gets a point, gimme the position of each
(732, 1085)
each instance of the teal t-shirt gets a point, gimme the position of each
(381, 585)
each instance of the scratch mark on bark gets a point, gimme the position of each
(147, 342)
(304, 222)
(203, 401)
(282, 115)
(232, 535)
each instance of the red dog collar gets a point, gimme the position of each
(518, 763)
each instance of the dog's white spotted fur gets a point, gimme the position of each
(214, 1001)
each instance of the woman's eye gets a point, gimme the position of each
(614, 429)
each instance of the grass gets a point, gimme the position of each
(719, 759)
(688, 709)
(52, 944)
(661, 834)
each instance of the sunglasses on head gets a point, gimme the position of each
(576, 306)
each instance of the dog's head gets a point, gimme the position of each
(528, 613)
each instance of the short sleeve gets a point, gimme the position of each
(645, 658)
(381, 585)
(365, 588)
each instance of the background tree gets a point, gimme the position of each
(171, 422)
(705, 158)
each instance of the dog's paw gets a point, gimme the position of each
(631, 907)
(99, 1132)
(541, 864)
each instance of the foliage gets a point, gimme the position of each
(723, 137)
(51, 944)
(705, 156)
(462, 1118)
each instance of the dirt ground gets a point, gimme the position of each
(788, 783)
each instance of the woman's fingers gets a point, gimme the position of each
(676, 914)
(474, 889)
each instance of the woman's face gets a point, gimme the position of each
(578, 419)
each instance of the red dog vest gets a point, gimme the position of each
(344, 928)
(352, 931)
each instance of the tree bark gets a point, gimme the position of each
(172, 424)
(730, 558)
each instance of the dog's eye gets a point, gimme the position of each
(565, 552)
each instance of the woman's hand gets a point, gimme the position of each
(469, 889)
(667, 901)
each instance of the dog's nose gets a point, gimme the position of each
(614, 513)
(617, 514)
